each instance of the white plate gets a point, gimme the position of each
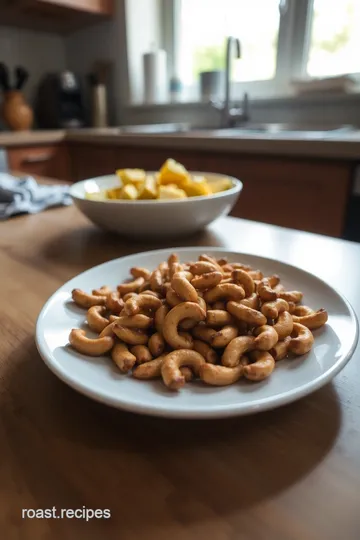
(99, 379)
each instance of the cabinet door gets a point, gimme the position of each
(51, 161)
(90, 160)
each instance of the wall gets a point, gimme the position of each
(38, 52)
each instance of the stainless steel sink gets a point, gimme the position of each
(308, 130)
(154, 128)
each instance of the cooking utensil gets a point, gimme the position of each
(21, 76)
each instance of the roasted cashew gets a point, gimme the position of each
(251, 302)
(159, 317)
(301, 339)
(220, 375)
(173, 258)
(95, 318)
(246, 314)
(183, 287)
(151, 293)
(142, 302)
(149, 370)
(203, 267)
(129, 295)
(224, 336)
(284, 325)
(228, 291)
(267, 337)
(102, 291)
(265, 291)
(291, 296)
(256, 274)
(186, 373)
(114, 303)
(170, 369)
(132, 286)
(207, 281)
(186, 310)
(279, 288)
(222, 261)
(280, 350)
(203, 332)
(217, 317)
(313, 320)
(301, 311)
(138, 321)
(262, 367)
(90, 347)
(212, 260)
(273, 280)
(187, 324)
(241, 277)
(108, 330)
(157, 281)
(122, 357)
(236, 348)
(172, 298)
(219, 305)
(113, 318)
(138, 271)
(130, 335)
(174, 268)
(271, 310)
(206, 351)
(156, 344)
(145, 287)
(85, 300)
(141, 353)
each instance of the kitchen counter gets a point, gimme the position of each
(292, 473)
(345, 146)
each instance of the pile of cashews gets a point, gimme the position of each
(209, 319)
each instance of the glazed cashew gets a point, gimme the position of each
(170, 369)
(102, 291)
(271, 310)
(219, 305)
(174, 268)
(207, 281)
(173, 258)
(224, 336)
(151, 293)
(159, 317)
(141, 353)
(228, 291)
(108, 330)
(284, 325)
(291, 296)
(211, 260)
(301, 311)
(241, 277)
(130, 335)
(187, 324)
(95, 318)
(301, 340)
(145, 287)
(256, 274)
(203, 267)
(149, 370)
(313, 320)
(172, 298)
(138, 321)
(246, 314)
(206, 351)
(114, 303)
(220, 375)
(90, 347)
(279, 288)
(132, 286)
(186, 373)
(262, 367)
(251, 302)
(273, 280)
(266, 339)
(186, 310)
(222, 261)
(122, 357)
(236, 348)
(265, 291)
(85, 300)
(142, 302)
(203, 332)
(113, 318)
(129, 295)
(216, 317)
(157, 281)
(280, 350)
(156, 344)
(138, 271)
(183, 287)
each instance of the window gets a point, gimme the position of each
(281, 40)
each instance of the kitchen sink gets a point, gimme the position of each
(281, 130)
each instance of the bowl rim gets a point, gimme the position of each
(236, 188)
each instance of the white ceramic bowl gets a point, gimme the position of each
(154, 217)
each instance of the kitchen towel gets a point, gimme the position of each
(25, 195)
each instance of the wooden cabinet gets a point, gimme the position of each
(47, 160)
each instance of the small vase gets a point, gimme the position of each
(17, 114)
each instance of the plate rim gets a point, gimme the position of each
(221, 411)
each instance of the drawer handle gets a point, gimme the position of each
(40, 158)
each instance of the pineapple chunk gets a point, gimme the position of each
(129, 192)
(171, 192)
(220, 185)
(149, 189)
(114, 193)
(199, 186)
(131, 176)
(96, 196)
(174, 173)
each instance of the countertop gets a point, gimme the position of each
(345, 146)
(288, 474)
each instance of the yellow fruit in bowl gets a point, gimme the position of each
(149, 189)
(171, 192)
(132, 176)
(197, 187)
(129, 192)
(173, 172)
(222, 184)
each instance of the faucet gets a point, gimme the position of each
(230, 116)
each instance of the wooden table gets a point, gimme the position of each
(292, 473)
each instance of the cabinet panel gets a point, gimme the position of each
(51, 161)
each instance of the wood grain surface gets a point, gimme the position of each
(292, 473)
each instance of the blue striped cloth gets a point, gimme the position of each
(25, 195)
